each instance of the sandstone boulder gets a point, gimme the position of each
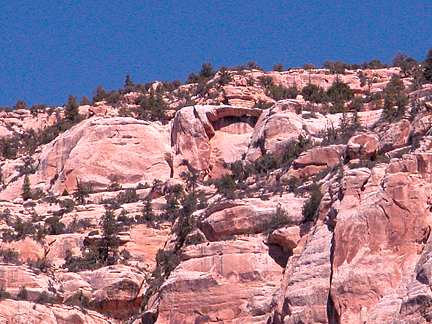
(314, 160)
(363, 145)
(275, 129)
(394, 135)
(14, 277)
(115, 291)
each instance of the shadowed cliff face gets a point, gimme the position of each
(317, 223)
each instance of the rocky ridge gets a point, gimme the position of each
(227, 213)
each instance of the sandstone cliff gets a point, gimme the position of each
(225, 212)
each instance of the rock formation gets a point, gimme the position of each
(221, 211)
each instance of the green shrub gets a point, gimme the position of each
(124, 220)
(278, 67)
(44, 298)
(356, 104)
(152, 106)
(9, 256)
(277, 220)
(266, 81)
(78, 299)
(85, 101)
(20, 104)
(166, 262)
(226, 186)
(72, 111)
(23, 228)
(338, 94)
(374, 64)
(55, 226)
(99, 94)
(309, 66)
(147, 213)
(103, 252)
(114, 185)
(224, 76)
(26, 191)
(195, 239)
(4, 294)
(67, 205)
(5, 214)
(336, 67)
(22, 294)
(278, 92)
(41, 264)
(78, 225)
(311, 205)
(128, 196)
(314, 93)
(82, 191)
(207, 71)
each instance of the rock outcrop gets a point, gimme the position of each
(197, 291)
(319, 221)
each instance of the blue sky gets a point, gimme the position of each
(50, 49)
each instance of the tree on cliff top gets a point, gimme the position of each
(71, 109)
(427, 65)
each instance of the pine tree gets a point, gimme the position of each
(71, 109)
(26, 190)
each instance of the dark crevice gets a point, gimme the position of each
(332, 314)
(277, 253)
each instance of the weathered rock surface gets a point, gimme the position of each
(24, 312)
(312, 161)
(206, 137)
(231, 281)
(116, 290)
(362, 145)
(82, 153)
(248, 216)
(274, 129)
(364, 257)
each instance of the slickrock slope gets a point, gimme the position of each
(220, 211)
(96, 150)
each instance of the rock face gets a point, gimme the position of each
(306, 293)
(333, 233)
(248, 216)
(370, 267)
(197, 291)
(22, 312)
(206, 138)
(390, 223)
(82, 153)
(274, 129)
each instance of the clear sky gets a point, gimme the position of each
(50, 49)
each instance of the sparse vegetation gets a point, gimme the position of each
(9, 256)
(181, 206)
(277, 220)
(101, 253)
(311, 205)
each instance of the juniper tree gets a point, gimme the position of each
(427, 67)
